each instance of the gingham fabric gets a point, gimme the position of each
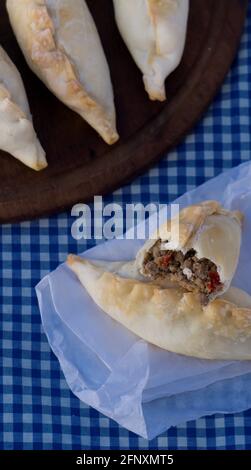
(37, 409)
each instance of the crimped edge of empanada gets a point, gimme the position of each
(193, 217)
(154, 83)
(18, 117)
(54, 67)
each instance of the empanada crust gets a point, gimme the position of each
(170, 318)
(37, 35)
(155, 34)
(17, 134)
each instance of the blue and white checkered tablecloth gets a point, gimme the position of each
(37, 409)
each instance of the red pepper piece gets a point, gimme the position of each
(214, 281)
(165, 260)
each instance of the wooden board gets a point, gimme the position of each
(81, 165)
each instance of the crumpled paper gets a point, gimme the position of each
(143, 388)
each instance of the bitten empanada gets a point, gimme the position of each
(61, 45)
(155, 33)
(17, 134)
(202, 253)
(170, 317)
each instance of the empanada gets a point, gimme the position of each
(170, 318)
(201, 256)
(155, 34)
(17, 135)
(61, 44)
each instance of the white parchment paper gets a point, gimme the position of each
(143, 388)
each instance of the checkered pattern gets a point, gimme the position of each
(37, 409)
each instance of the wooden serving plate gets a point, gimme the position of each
(81, 165)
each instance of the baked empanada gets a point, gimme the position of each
(202, 254)
(17, 135)
(155, 33)
(61, 44)
(170, 318)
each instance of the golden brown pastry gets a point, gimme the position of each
(61, 44)
(17, 134)
(170, 318)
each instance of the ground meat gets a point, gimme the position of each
(194, 274)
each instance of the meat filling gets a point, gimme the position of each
(190, 272)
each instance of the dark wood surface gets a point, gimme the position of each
(81, 165)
